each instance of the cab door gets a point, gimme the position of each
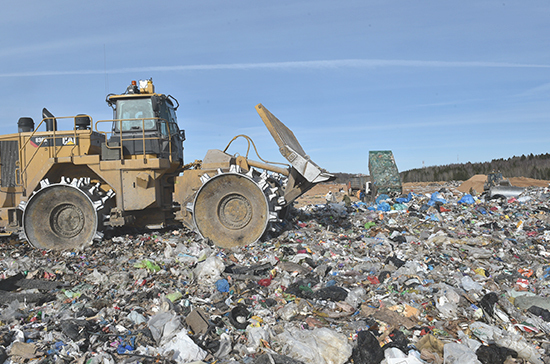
(170, 129)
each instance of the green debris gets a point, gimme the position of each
(147, 264)
(369, 224)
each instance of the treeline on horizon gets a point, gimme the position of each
(531, 166)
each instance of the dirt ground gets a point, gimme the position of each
(317, 194)
(477, 181)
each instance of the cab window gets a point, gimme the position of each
(134, 114)
(168, 120)
(173, 121)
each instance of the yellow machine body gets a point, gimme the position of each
(62, 186)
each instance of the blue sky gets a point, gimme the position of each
(436, 82)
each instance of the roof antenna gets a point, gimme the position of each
(105, 69)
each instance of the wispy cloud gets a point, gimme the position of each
(326, 64)
(541, 90)
(442, 122)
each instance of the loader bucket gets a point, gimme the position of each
(505, 191)
(291, 149)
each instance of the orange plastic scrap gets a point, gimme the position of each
(526, 272)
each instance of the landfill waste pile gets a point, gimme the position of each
(442, 277)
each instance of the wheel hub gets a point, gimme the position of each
(67, 220)
(235, 211)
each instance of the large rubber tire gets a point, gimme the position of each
(231, 210)
(59, 217)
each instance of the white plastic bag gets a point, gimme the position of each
(396, 356)
(209, 271)
(317, 346)
(163, 326)
(470, 285)
(455, 353)
(184, 349)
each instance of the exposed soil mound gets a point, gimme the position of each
(476, 183)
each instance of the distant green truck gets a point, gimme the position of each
(384, 173)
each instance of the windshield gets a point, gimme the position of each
(134, 114)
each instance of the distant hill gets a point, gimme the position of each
(531, 166)
(342, 177)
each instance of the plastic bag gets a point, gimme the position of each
(381, 198)
(454, 353)
(368, 349)
(396, 356)
(136, 317)
(436, 198)
(256, 334)
(97, 277)
(470, 285)
(163, 326)
(404, 199)
(484, 332)
(11, 312)
(288, 311)
(184, 349)
(494, 354)
(519, 345)
(222, 285)
(317, 346)
(209, 270)
(446, 301)
(356, 296)
(399, 207)
(467, 199)
(525, 302)
(383, 206)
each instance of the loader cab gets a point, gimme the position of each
(144, 119)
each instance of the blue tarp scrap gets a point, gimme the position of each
(436, 198)
(382, 197)
(467, 199)
(126, 345)
(432, 217)
(405, 199)
(222, 285)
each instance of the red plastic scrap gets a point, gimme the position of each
(521, 284)
(373, 280)
(265, 282)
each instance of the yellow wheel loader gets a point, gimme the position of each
(65, 181)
